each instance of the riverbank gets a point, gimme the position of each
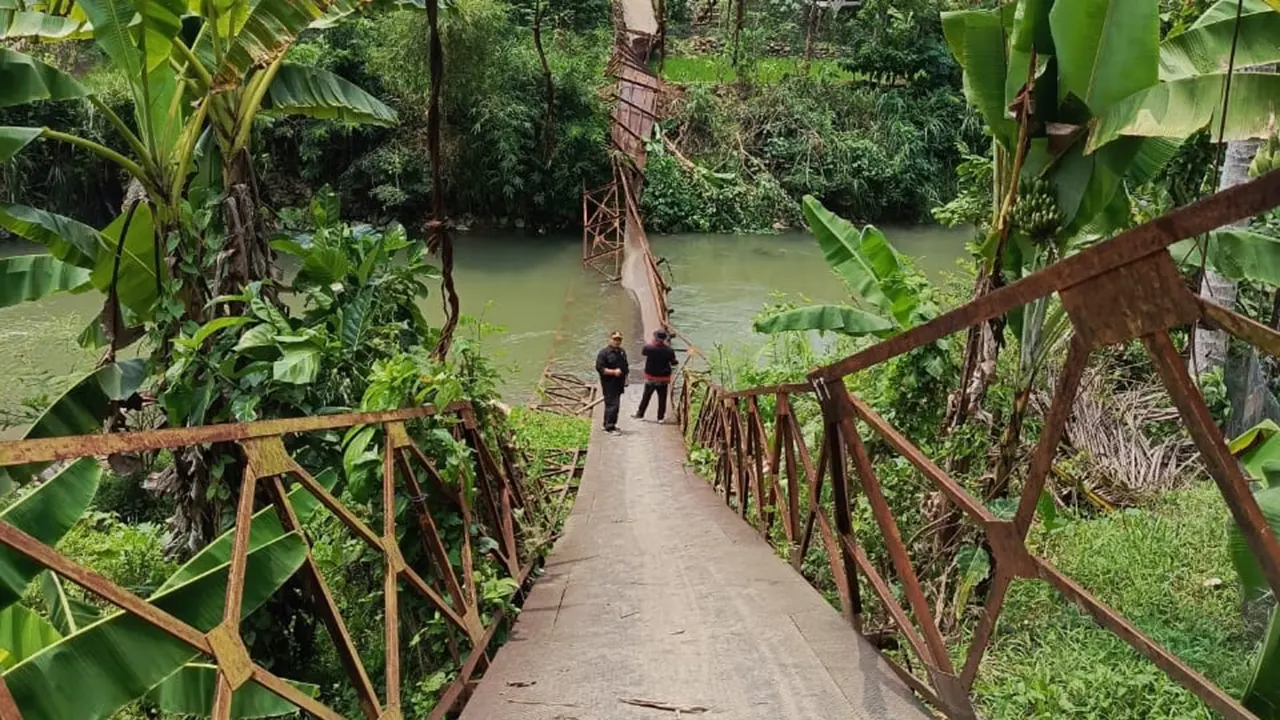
(536, 291)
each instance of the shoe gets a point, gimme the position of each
(637, 416)
(611, 430)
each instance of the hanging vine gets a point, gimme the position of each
(438, 239)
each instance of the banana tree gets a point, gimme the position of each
(889, 295)
(199, 75)
(1082, 96)
(196, 95)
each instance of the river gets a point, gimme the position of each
(536, 290)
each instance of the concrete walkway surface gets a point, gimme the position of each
(658, 593)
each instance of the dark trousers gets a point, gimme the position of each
(649, 389)
(612, 401)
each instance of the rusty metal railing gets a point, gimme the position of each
(269, 470)
(1125, 289)
(602, 231)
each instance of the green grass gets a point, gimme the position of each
(1157, 567)
(549, 431)
(717, 69)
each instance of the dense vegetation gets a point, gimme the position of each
(319, 160)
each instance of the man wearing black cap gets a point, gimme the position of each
(611, 366)
(659, 363)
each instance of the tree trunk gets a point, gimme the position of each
(810, 20)
(1209, 346)
(737, 29)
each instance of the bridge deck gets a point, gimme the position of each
(659, 592)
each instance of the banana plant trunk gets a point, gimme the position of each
(246, 257)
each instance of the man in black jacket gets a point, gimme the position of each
(611, 366)
(659, 363)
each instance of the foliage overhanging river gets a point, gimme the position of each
(536, 290)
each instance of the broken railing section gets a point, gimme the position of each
(566, 393)
(269, 473)
(602, 231)
(1123, 290)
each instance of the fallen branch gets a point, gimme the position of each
(667, 707)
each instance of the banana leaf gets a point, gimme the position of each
(1107, 50)
(1262, 696)
(14, 139)
(111, 19)
(67, 613)
(68, 240)
(1207, 46)
(826, 318)
(24, 278)
(79, 411)
(95, 672)
(977, 40)
(23, 79)
(136, 281)
(16, 24)
(190, 692)
(840, 242)
(1236, 254)
(310, 91)
(23, 633)
(1180, 108)
(265, 528)
(268, 31)
(46, 514)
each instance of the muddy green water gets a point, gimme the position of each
(535, 289)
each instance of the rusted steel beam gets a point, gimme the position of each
(895, 545)
(1108, 618)
(986, 626)
(913, 455)
(325, 606)
(391, 570)
(788, 388)
(844, 575)
(1217, 458)
(288, 692)
(1251, 331)
(1055, 424)
(8, 708)
(781, 447)
(436, 599)
(815, 495)
(49, 558)
(1223, 208)
(478, 654)
(18, 452)
(435, 549)
(900, 618)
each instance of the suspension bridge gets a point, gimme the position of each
(667, 595)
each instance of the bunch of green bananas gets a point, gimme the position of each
(1268, 157)
(1036, 213)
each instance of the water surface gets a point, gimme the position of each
(535, 288)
